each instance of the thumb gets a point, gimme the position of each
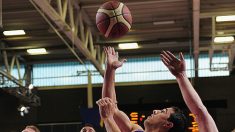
(181, 56)
(123, 60)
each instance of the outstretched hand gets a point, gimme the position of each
(112, 58)
(175, 65)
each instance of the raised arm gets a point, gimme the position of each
(178, 68)
(108, 89)
(112, 63)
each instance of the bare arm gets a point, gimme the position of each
(107, 108)
(111, 125)
(112, 63)
(190, 96)
(124, 122)
(108, 89)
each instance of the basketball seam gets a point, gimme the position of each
(104, 19)
(115, 16)
(124, 17)
(115, 12)
(118, 16)
(110, 17)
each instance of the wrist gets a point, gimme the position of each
(181, 75)
(110, 68)
(108, 118)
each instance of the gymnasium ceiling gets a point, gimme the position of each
(176, 25)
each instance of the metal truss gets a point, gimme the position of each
(228, 49)
(70, 19)
(16, 86)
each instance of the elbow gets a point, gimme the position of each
(200, 110)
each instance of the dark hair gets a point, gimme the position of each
(88, 125)
(178, 119)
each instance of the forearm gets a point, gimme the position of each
(195, 105)
(122, 121)
(108, 89)
(190, 96)
(110, 125)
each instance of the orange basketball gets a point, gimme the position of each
(113, 19)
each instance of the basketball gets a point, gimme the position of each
(113, 19)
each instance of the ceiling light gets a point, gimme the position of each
(14, 32)
(128, 46)
(220, 32)
(227, 39)
(225, 18)
(37, 51)
(163, 22)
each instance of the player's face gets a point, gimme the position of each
(159, 117)
(87, 129)
(28, 129)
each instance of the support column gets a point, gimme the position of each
(89, 91)
(5, 59)
(196, 23)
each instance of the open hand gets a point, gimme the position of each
(175, 65)
(112, 58)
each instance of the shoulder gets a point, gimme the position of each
(137, 128)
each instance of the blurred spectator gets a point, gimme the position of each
(31, 128)
(88, 128)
